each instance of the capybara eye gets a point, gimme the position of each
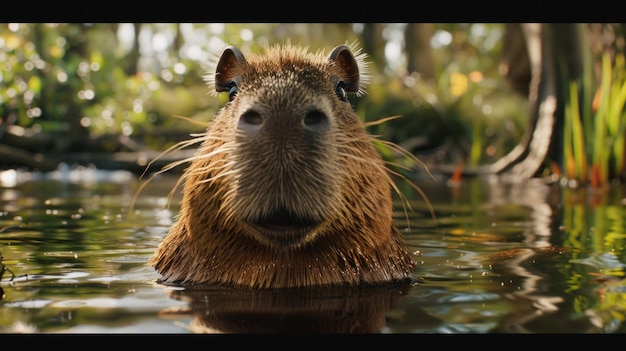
(315, 118)
(251, 118)
(341, 92)
(232, 92)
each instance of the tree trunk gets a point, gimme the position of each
(374, 44)
(555, 56)
(418, 50)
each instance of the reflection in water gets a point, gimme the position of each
(573, 242)
(311, 310)
(542, 249)
(538, 196)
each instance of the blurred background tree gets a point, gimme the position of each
(83, 93)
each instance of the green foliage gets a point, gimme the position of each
(86, 78)
(62, 76)
(597, 156)
(475, 119)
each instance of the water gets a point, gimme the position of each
(499, 258)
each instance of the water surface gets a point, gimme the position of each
(498, 258)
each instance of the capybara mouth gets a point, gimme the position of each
(284, 229)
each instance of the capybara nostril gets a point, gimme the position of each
(315, 120)
(250, 121)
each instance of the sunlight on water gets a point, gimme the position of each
(497, 258)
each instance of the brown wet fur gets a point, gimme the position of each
(286, 189)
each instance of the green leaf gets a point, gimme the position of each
(34, 84)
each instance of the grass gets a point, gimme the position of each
(594, 143)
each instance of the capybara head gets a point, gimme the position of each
(287, 188)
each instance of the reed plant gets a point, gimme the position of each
(593, 150)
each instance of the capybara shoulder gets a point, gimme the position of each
(286, 188)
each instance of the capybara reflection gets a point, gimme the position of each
(323, 309)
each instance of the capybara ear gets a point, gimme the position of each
(343, 58)
(227, 72)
